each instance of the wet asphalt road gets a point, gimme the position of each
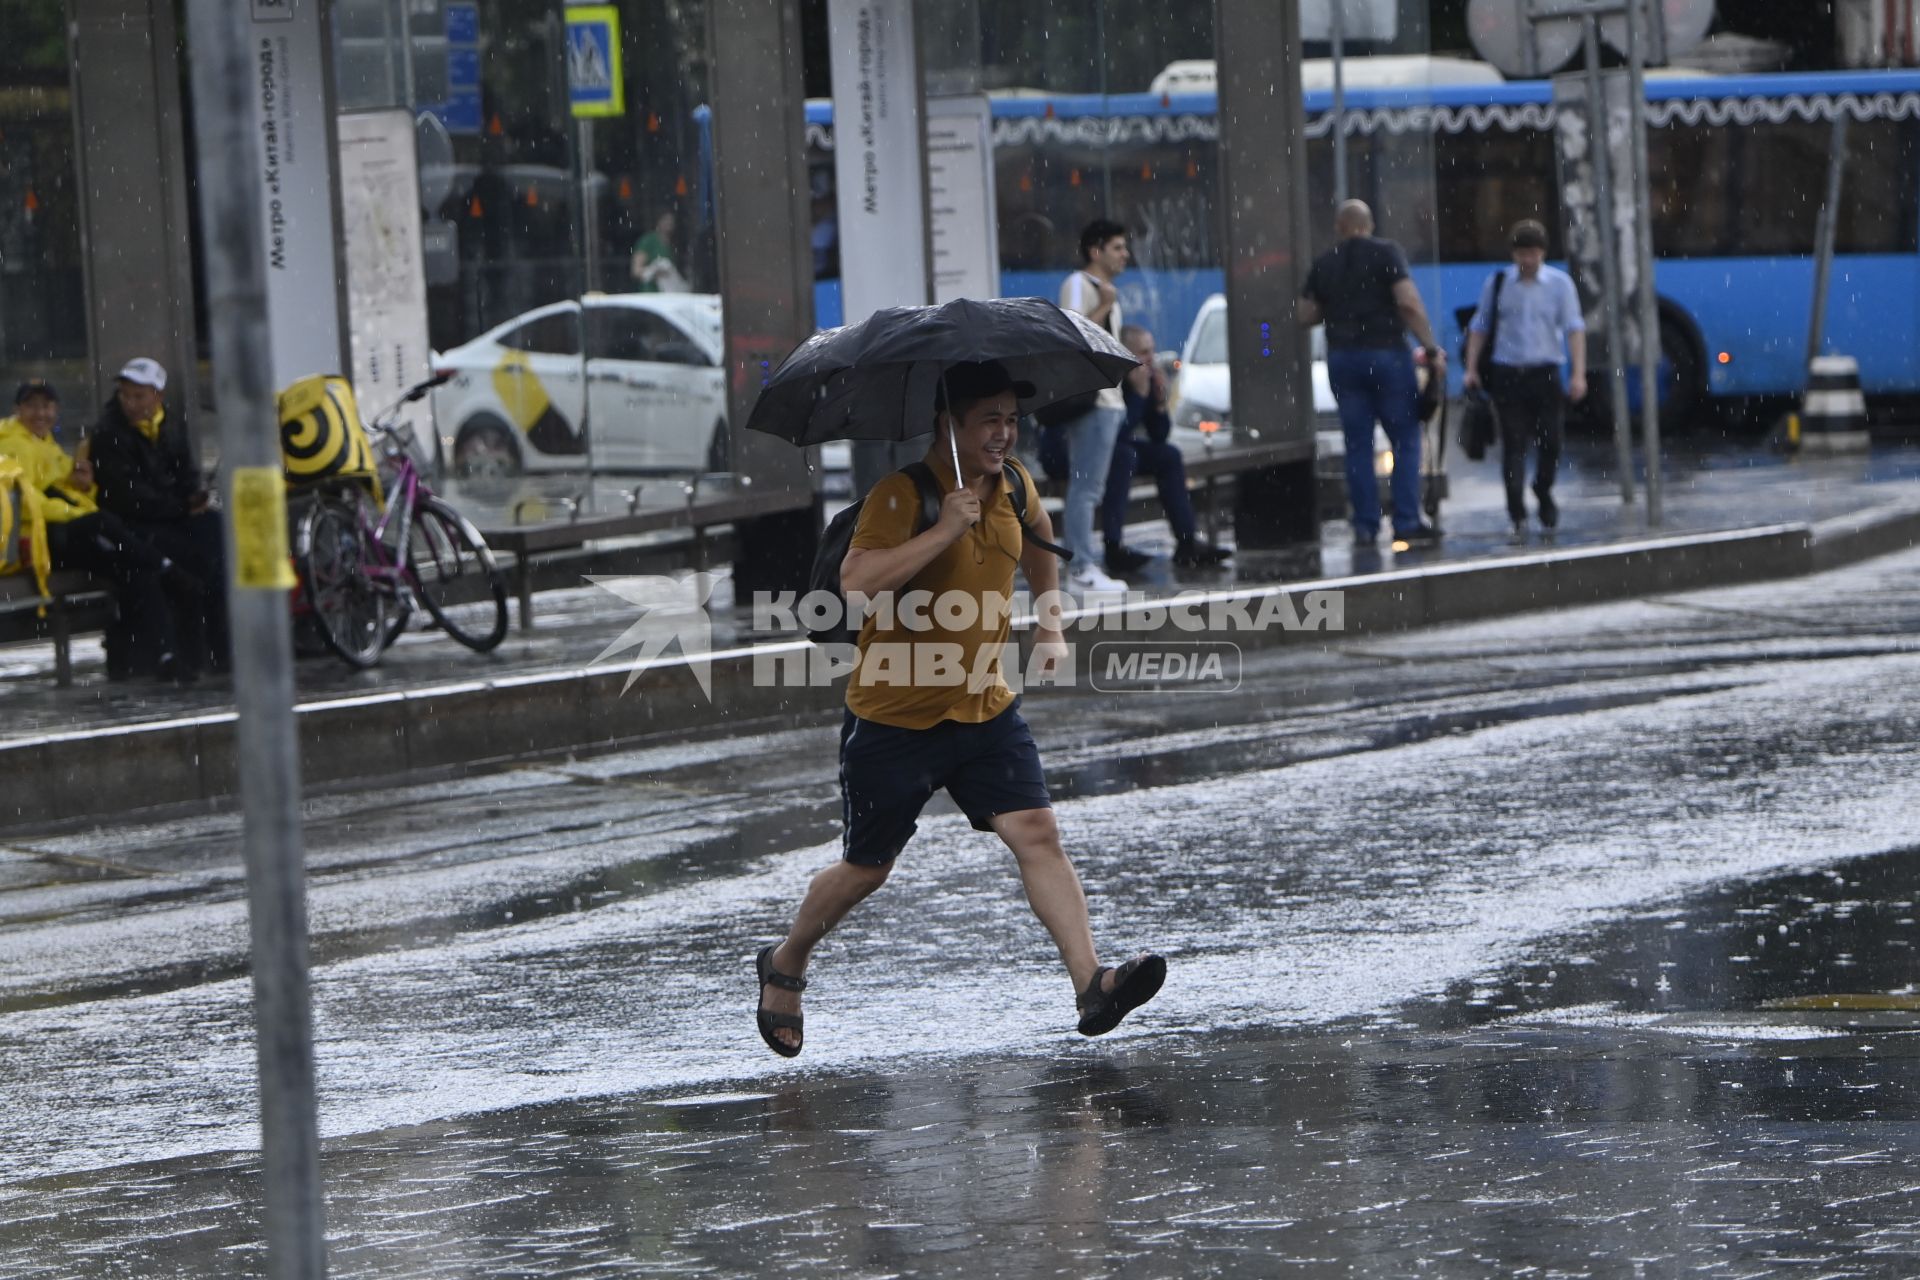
(1477, 936)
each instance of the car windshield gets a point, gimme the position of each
(1210, 345)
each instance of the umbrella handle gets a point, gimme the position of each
(959, 481)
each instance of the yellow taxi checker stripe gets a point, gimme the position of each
(519, 389)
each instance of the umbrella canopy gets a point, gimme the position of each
(875, 380)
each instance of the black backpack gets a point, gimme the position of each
(838, 537)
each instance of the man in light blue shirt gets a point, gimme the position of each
(1532, 311)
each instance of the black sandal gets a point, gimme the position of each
(770, 1021)
(1134, 983)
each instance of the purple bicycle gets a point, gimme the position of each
(363, 568)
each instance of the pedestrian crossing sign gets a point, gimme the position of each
(594, 83)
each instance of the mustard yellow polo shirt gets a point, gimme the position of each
(915, 676)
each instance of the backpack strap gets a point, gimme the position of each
(1016, 478)
(1015, 475)
(927, 485)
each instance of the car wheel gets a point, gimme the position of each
(485, 447)
(720, 449)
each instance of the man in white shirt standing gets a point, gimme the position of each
(1091, 436)
(1539, 321)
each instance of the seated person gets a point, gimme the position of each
(81, 536)
(1143, 448)
(148, 478)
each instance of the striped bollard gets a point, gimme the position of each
(1833, 418)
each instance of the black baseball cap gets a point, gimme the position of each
(975, 380)
(35, 387)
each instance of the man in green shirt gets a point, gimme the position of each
(653, 268)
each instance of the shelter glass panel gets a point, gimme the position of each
(43, 309)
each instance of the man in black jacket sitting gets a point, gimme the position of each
(1144, 449)
(148, 477)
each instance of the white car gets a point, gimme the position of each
(1203, 406)
(651, 389)
(1204, 403)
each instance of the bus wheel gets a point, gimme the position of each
(484, 448)
(1683, 370)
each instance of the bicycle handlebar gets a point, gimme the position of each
(383, 424)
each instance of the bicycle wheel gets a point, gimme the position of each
(353, 614)
(451, 569)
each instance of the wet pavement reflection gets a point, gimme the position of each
(1531, 1118)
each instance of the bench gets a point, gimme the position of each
(525, 542)
(1207, 466)
(74, 602)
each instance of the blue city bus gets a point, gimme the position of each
(1739, 170)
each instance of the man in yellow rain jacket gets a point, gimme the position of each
(83, 537)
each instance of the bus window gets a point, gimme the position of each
(1781, 175)
(1484, 182)
(1692, 218)
(1169, 219)
(1879, 211)
(1403, 190)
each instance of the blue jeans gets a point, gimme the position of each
(1377, 383)
(1090, 440)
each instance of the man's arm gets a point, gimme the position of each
(189, 481)
(1576, 326)
(872, 571)
(1308, 312)
(1042, 568)
(1413, 313)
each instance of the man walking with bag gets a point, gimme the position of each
(1533, 313)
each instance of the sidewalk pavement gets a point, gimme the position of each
(1709, 493)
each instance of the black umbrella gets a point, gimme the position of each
(875, 380)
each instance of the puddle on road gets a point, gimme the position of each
(1846, 936)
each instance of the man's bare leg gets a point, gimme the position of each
(1053, 889)
(834, 891)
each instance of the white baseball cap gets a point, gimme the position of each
(145, 371)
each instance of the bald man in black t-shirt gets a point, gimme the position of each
(1361, 290)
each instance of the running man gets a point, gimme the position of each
(901, 742)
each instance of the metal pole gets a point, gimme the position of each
(406, 60)
(1597, 132)
(1106, 142)
(387, 43)
(1650, 345)
(1339, 102)
(1828, 231)
(269, 760)
(589, 255)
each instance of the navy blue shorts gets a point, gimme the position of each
(887, 775)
